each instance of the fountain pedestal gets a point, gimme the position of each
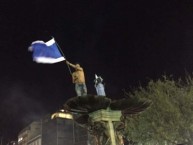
(110, 118)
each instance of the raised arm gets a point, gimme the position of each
(75, 66)
(70, 64)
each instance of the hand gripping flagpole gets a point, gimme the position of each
(64, 56)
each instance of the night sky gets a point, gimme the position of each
(126, 42)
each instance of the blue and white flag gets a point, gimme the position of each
(46, 52)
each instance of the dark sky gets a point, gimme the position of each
(126, 42)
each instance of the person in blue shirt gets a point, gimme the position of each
(100, 89)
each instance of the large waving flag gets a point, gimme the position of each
(46, 52)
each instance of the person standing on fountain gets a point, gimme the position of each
(78, 79)
(100, 89)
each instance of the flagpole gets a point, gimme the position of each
(64, 56)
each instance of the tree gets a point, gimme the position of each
(169, 119)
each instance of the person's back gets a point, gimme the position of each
(100, 89)
(78, 79)
(78, 75)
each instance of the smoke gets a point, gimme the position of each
(19, 106)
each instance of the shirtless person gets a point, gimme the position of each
(78, 79)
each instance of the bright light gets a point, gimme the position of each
(20, 139)
(61, 115)
(62, 110)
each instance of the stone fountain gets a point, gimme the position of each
(103, 117)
